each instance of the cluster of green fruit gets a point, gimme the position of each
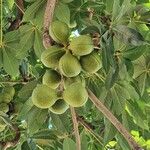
(6, 96)
(65, 63)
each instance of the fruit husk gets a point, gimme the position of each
(59, 31)
(69, 65)
(51, 78)
(81, 45)
(91, 63)
(59, 107)
(75, 95)
(43, 96)
(50, 57)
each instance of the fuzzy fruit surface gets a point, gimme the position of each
(59, 107)
(5, 97)
(81, 45)
(75, 95)
(43, 96)
(4, 107)
(69, 65)
(91, 63)
(10, 90)
(51, 78)
(50, 57)
(59, 31)
(69, 81)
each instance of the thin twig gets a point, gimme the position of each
(101, 107)
(48, 17)
(76, 131)
(90, 130)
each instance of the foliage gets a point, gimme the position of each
(120, 30)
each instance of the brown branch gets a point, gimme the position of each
(76, 131)
(101, 107)
(48, 17)
(16, 23)
(13, 142)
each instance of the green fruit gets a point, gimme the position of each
(81, 45)
(75, 95)
(59, 31)
(52, 79)
(69, 65)
(59, 107)
(5, 97)
(69, 81)
(43, 96)
(10, 90)
(50, 57)
(91, 63)
(4, 107)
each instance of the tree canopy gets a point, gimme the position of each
(75, 74)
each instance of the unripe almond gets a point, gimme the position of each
(69, 65)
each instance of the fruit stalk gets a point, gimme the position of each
(101, 107)
(76, 131)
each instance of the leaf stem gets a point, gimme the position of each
(101, 107)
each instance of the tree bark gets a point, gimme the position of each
(76, 130)
(48, 17)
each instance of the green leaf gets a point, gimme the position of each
(45, 134)
(58, 123)
(138, 115)
(119, 13)
(31, 10)
(119, 96)
(10, 3)
(122, 142)
(128, 121)
(1, 57)
(128, 35)
(67, 1)
(25, 146)
(25, 109)
(62, 13)
(27, 89)
(116, 9)
(10, 63)
(12, 36)
(38, 44)
(109, 132)
(69, 144)
(39, 116)
(26, 42)
(84, 140)
(134, 53)
(112, 77)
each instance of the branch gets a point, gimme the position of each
(20, 11)
(76, 131)
(48, 17)
(114, 121)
